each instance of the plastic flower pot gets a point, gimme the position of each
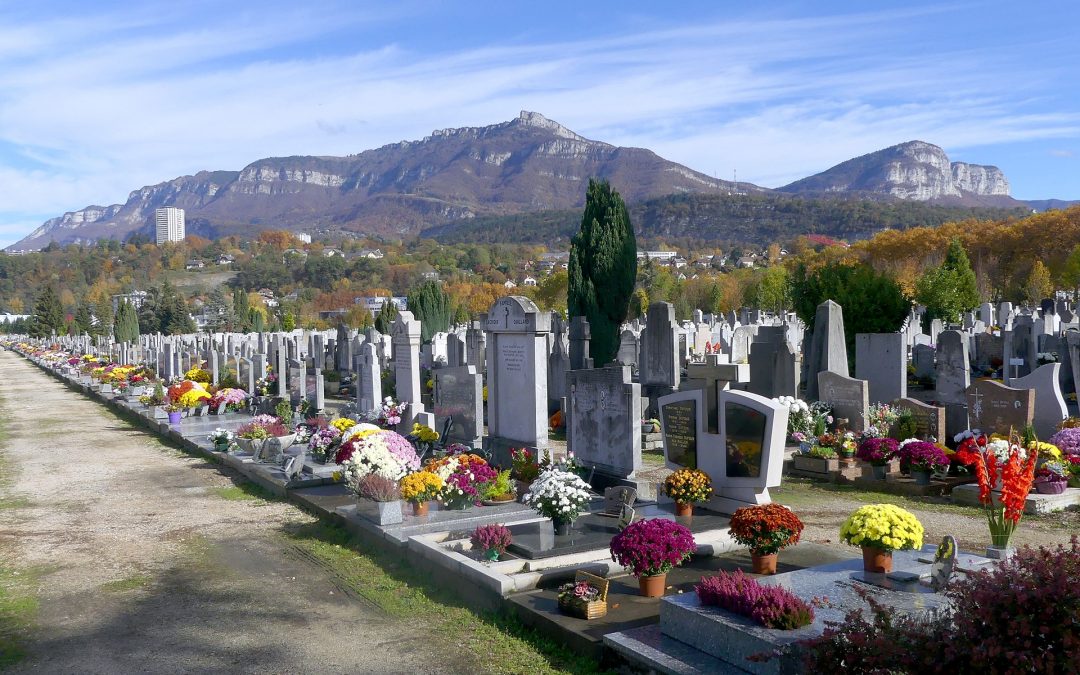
(174, 417)
(921, 477)
(652, 586)
(491, 554)
(879, 471)
(876, 560)
(562, 526)
(763, 564)
(684, 509)
(1051, 487)
(221, 446)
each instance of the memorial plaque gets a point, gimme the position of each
(679, 422)
(744, 441)
(929, 419)
(848, 397)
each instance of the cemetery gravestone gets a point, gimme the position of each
(848, 397)
(1050, 406)
(459, 394)
(517, 373)
(604, 421)
(659, 361)
(953, 376)
(995, 408)
(828, 346)
(881, 360)
(929, 419)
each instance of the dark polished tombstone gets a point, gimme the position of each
(680, 426)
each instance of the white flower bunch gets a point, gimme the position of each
(558, 494)
(356, 429)
(374, 457)
(1001, 449)
(793, 404)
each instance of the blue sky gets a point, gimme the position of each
(98, 99)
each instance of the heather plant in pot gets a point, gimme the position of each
(765, 529)
(770, 606)
(491, 540)
(650, 549)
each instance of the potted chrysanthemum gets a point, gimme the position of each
(765, 529)
(419, 488)
(372, 465)
(559, 495)
(923, 458)
(650, 549)
(878, 452)
(881, 529)
(687, 486)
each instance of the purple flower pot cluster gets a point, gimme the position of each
(651, 547)
(923, 456)
(877, 451)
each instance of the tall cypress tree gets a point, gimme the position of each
(127, 323)
(48, 314)
(430, 304)
(603, 268)
(384, 320)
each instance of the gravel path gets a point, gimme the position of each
(149, 560)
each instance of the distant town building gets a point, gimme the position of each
(134, 298)
(303, 236)
(663, 256)
(528, 281)
(374, 304)
(170, 224)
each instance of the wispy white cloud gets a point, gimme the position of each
(776, 97)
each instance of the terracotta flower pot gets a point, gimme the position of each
(652, 586)
(876, 560)
(763, 564)
(683, 509)
(420, 508)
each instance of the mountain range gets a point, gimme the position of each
(456, 177)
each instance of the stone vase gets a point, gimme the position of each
(380, 513)
(763, 563)
(876, 560)
(652, 586)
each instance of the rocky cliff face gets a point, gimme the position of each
(526, 164)
(913, 170)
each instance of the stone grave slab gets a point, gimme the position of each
(993, 407)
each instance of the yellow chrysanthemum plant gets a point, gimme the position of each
(420, 486)
(342, 424)
(193, 398)
(884, 526)
(687, 486)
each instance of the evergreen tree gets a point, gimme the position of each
(949, 290)
(288, 322)
(386, 317)
(256, 320)
(104, 313)
(48, 315)
(1038, 285)
(602, 269)
(430, 304)
(240, 309)
(173, 312)
(149, 321)
(84, 320)
(127, 323)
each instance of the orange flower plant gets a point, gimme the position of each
(1017, 475)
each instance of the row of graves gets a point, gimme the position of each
(460, 474)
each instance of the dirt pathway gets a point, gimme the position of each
(147, 560)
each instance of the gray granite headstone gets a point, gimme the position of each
(604, 422)
(848, 397)
(828, 346)
(953, 372)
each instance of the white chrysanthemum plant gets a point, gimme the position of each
(558, 494)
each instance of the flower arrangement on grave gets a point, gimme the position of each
(524, 466)
(650, 426)
(262, 427)
(423, 437)
(1072, 465)
(556, 421)
(1067, 440)
(156, 398)
(578, 592)
(922, 455)
(770, 606)
(829, 440)
(821, 452)
(765, 529)
(388, 415)
(304, 430)
(383, 453)
(1015, 468)
(421, 486)
(558, 494)
(264, 386)
(342, 424)
(806, 421)
(880, 418)
(220, 438)
(585, 597)
(199, 375)
(233, 399)
(463, 476)
(491, 540)
(323, 443)
(193, 398)
(650, 549)
(881, 529)
(499, 489)
(1052, 472)
(373, 486)
(687, 487)
(877, 451)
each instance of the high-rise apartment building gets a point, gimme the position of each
(170, 224)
